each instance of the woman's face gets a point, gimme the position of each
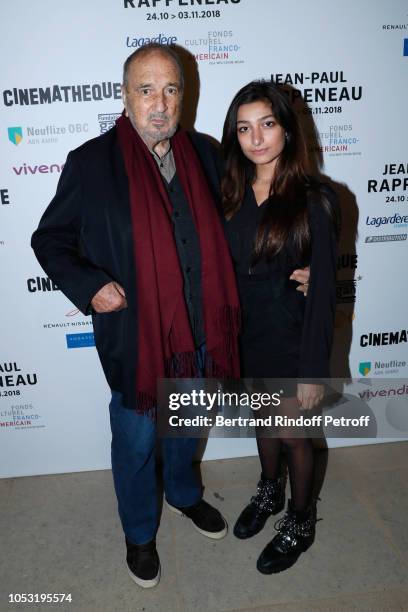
(261, 138)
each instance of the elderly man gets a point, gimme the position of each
(134, 238)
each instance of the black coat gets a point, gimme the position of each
(84, 240)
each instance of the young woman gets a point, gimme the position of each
(279, 219)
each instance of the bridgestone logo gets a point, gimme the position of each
(389, 238)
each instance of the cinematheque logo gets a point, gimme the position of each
(384, 338)
(41, 283)
(66, 94)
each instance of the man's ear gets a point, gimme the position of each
(123, 91)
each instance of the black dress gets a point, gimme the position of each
(284, 334)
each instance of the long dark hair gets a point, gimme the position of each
(288, 215)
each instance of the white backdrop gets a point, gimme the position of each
(60, 86)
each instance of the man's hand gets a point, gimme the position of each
(301, 276)
(309, 396)
(111, 298)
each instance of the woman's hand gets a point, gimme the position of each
(309, 396)
(302, 276)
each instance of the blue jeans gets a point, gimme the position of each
(133, 467)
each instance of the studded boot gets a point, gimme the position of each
(295, 535)
(269, 499)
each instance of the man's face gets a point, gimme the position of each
(153, 96)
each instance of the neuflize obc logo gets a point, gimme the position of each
(365, 367)
(15, 134)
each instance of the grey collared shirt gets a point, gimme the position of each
(166, 164)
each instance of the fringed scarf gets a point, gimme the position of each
(165, 341)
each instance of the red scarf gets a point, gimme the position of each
(165, 341)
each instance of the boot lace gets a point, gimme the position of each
(268, 492)
(290, 530)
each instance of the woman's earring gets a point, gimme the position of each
(286, 136)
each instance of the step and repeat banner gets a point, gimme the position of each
(345, 66)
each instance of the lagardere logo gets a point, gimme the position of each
(395, 219)
(15, 134)
(62, 93)
(162, 39)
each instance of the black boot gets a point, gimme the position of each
(296, 532)
(270, 499)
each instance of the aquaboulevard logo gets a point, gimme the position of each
(216, 47)
(45, 134)
(338, 140)
(135, 42)
(107, 121)
(51, 94)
